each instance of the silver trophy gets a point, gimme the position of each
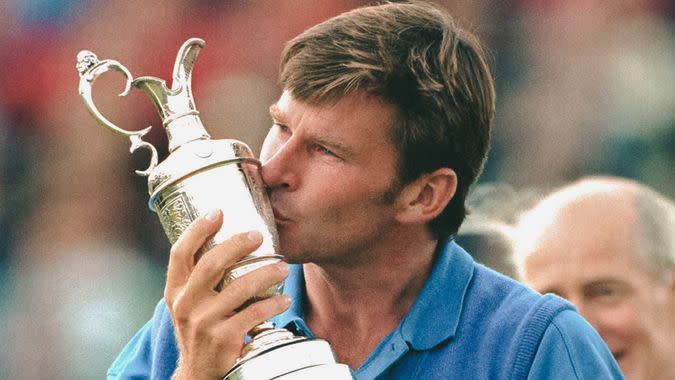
(199, 175)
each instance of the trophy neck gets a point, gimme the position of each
(183, 129)
(176, 105)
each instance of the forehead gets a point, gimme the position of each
(358, 105)
(582, 242)
(356, 118)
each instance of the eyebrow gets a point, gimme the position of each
(341, 148)
(276, 113)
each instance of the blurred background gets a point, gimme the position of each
(584, 87)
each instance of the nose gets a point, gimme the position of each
(279, 167)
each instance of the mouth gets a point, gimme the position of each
(279, 217)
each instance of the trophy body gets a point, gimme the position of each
(200, 175)
(228, 180)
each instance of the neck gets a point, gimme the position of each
(354, 307)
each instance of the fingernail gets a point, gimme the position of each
(254, 236)
(212, 215)
(286, 300)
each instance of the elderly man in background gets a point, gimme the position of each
(607, 245)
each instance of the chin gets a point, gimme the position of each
(289, 252)
(295, 255)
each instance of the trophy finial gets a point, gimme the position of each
(85, 61)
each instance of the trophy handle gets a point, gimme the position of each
(90, 68)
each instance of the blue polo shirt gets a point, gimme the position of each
(468, 322)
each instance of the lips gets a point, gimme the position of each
(279, 217)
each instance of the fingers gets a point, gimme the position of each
(238, 294)
(181, 259)
(209, 270)
(250, 286)
(254, 314)
(209, 324)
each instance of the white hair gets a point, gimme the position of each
(655, 221)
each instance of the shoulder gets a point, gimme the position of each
(502, 297)
(540, 336)
(571, 348)
(512, 319)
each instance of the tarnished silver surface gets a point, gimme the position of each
(200, 175)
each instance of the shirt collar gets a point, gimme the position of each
(434, 316)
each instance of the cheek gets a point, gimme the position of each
(337, 203)
(327, 202)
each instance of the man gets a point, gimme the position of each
(607, 245)
(382, 126)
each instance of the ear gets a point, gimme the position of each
(425, 198)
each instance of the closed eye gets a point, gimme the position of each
(325, 151)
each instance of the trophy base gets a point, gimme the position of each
(289, 358)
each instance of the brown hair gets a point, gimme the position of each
(414, 57)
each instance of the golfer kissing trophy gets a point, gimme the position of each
(200, 175)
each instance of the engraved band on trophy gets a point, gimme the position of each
(201, 174)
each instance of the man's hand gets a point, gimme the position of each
(209, 332)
